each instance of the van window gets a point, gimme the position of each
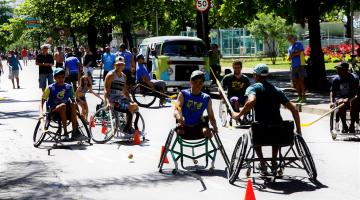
(183, 48)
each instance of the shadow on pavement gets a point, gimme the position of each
(19, 114)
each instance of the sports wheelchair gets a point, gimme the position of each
(49, 129)
(280, 135)
(185, 144)
(336, 125)
(225, 116)
(108, 123)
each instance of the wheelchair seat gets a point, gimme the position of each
(280, 134)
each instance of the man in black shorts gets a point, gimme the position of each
(190, 105)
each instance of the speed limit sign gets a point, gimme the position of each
(202, 5)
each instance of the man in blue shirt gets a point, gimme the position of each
(266, 100)
(143, 77)
(14, 65)
(344, 87)
(72, 69)
(189, 109)
(298, 73)
(129, 63)
(108, 60)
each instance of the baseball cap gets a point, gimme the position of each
(261, 70)
(119, 60)
(59, 71)
(342, 65)
(197, 74)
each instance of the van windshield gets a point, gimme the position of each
(184, 48)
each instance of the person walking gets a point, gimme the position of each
(108, 60)
(129, 64)
(45, 61)
(72, 69)
(214, 61)
(298, 73)
(14, 66)
(24, 56)
(89, 63)
(59, 57)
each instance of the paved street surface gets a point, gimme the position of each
(103, 171)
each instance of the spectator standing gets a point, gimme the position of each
(129, 64)
(14, 66)
(72, 69)
(108, 60)
(298, 73)
(89, 63)
(24, 56)
(59, 57)
(45, 61)
(214, 61)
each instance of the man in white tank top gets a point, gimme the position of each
(116, 92)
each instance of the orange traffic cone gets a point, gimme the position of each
(137, 140)
(162, 152)
(103, 128)
(249, 193)
(92, 122)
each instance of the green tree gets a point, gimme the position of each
(272, 30)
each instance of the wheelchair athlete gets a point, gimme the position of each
(116, 93)
(191, 104)
(266, 100)
(59, 98)
(344, 87)
(236, 84)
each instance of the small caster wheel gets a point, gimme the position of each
(333, 135)
(280, 172)
(248, 172)
(160, 170)
(174, 172)
(79, 142)
(195, 161)
(212, 170)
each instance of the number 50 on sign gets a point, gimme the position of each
(202, 5)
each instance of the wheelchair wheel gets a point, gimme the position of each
(221, 148)
(143, 96)
(167, 146)
(82, 127)
(102, 126)
(305, 156)
(223, 113)
(238, 157)
(40, 131)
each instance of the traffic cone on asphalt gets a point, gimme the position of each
(249, 193)
(92, 122)
(162, 152)
(103, 128)
(137, 140)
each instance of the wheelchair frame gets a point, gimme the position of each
(46, 122)
(210, 154)
(244, 158)
(225, 114)
(114, 122)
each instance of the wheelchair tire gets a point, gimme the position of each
(143, 96)
(83, 128)
(305, 156)
(39, 134)
(102, 126)
(237, 158)
(167, 146)
(222, 150)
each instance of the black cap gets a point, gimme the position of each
(139, 56)
(343, 65)
(197, 74)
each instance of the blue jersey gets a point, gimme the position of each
(141, 71)
(108, 59)
(295, 61)
(128, 57)
(193, 107)
(55, 94)
(14, 63)
(72, 63)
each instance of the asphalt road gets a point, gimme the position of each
(103, 171)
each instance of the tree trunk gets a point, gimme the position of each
(106, 34)
(316, 70)
(92, 35)
(127, 37)
(72, 35)
(200, 28)
(348, 26)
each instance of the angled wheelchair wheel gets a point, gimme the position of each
(102, 126)
(305, 156)
(221, 148)
(82, 127)
(138, 122)
(40, 131)
(223, 113)
(238, 157)
(143, 96)
(167, 147)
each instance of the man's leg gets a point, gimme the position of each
(61, 109)
(12, 81)
(260, 155)
(73, 116)
(342, 114)
(50, 79)
(275, 150)
(131, 107)
(354, 114)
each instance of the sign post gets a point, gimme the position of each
(202, 6)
